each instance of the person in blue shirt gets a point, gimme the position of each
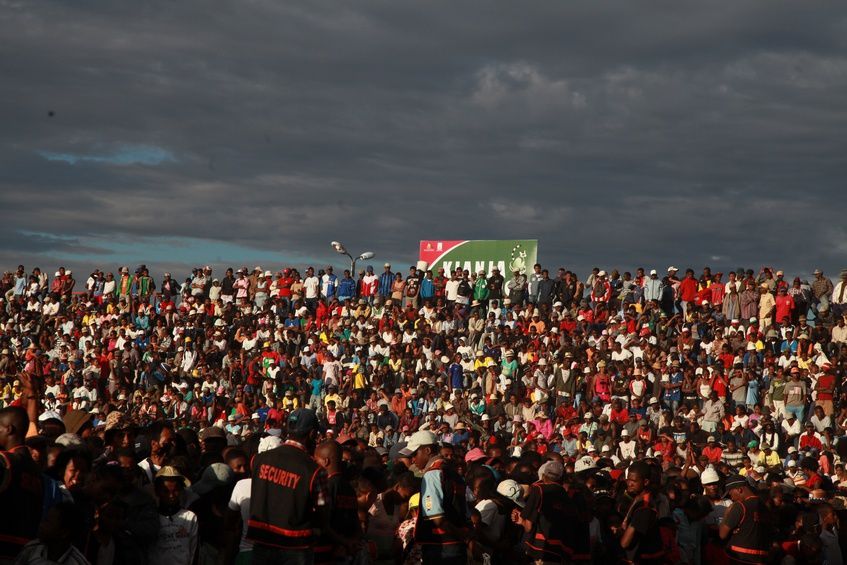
(316, 384)
(20, 282)
(460, 433)
(673, 388)
(427, 287)
(386, 279)
(346, 287)
(329, 282)
(456, 373)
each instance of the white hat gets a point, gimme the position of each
(419, 439)
(268, 443)
(485, 417)
(672, 268)
(653, 272)
(624, 433)
(709, 476)
(601, 274)
(792, 463)
(584, 463)
(511, 490)
(605, 449)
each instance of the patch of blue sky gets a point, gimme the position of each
(190, 251)
(122, 156)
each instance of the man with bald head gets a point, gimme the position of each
(20, 485)
(340, 543)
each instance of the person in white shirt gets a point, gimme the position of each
(627, 448)
(311, 287)
(178, 528)
(451, 289)
(50, 308)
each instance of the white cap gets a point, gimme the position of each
(584, 463)
(268, 443)
(511, 490)
(624, 433)
(418, 440)
(653, 272)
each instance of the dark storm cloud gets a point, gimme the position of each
(617, 133)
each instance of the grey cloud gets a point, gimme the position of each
(616, 133)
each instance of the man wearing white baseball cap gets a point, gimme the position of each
(442, 528)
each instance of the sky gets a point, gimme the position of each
(254, 132)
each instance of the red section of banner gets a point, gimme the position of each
(433, 249)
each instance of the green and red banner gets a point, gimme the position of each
(508, 255)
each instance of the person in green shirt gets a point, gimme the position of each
(480, 288)
(777, 393)
(509, 367)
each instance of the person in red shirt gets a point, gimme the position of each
(718, 289)
(784, 305)
(687, 290)
(713, 450)
(284, 284)
(703, 295)
(826, 388)
(619, 414)
(719, 384)
(810, 439)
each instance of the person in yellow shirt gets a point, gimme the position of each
(481, 361)
(768, 457)
(289, 401)
(332, 394)
(359, 382)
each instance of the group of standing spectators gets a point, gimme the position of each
(422, 416)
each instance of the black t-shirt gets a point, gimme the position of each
(644, 518)
(495, 287)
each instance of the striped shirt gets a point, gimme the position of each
(386, 280)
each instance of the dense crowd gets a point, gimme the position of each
(423, 416)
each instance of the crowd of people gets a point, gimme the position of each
(422, 417)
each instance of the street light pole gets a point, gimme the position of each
(339, 248)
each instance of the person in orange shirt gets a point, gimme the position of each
(713, 450)
(537, 324)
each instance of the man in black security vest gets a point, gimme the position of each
(442, 527)
(288, 503)
(21, 487)
(641, 537)
(544, 518)
(744, 524)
